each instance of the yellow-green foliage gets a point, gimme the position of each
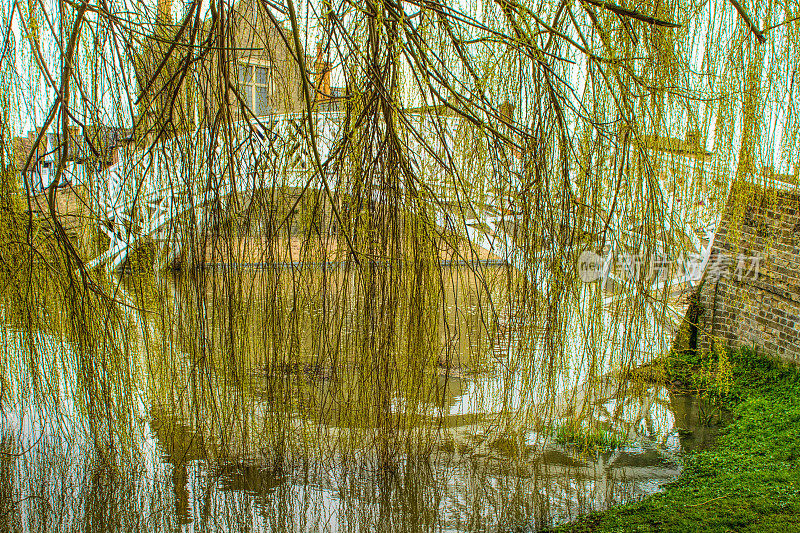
(720, 382)
(592, 151)
(11, 223)
(166, 97)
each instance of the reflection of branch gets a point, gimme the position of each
(625, 12)
(746, 18)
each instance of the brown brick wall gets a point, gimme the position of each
(735, 307)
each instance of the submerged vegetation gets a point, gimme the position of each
(750, 479)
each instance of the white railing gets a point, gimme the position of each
(150, 189)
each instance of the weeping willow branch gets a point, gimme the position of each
(746, 18)
(624, 12)
(293, 217)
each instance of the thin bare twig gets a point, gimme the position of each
(625, 12)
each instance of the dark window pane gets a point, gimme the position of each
(262, 96)
(245, 74)
(261, 75)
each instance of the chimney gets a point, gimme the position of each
(323, 80)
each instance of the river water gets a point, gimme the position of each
(191, 416)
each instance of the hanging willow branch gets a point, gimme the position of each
(624, 12)
(746, 18)
(301, 226)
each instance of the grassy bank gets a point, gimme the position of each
(749, 481)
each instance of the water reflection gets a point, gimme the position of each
(472, 483)
(224, 419)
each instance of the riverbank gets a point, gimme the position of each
(749, 481)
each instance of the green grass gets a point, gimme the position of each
(750, 481)
(587, 439)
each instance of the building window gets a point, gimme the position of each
(255, 81)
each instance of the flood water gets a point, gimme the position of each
(209, 413)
